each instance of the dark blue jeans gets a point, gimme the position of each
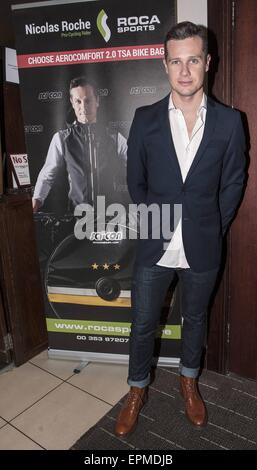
(149, 288)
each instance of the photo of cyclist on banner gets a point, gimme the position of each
(93, 156)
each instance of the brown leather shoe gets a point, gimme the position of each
(127, 419)
(195, 408)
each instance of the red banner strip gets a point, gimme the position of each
(88, 56)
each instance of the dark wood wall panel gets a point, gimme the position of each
(21, 277)
(20, 274)
(243, 276)
(233, 323)
(220, 88)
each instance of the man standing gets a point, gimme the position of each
(94, 157)
(189, 150)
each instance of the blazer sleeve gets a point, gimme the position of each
(233, 174)
(136, 163)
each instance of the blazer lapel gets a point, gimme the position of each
(207, 135)
(167, 136)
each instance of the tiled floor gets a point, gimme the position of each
(44, 405)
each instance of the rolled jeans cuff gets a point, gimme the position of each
(139, 383)
(188, 372)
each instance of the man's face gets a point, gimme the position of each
(84, 103)
(186, 65)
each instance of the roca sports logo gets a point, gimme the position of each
(134, 24)
(127, 24)
(102, 26)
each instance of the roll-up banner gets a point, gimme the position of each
(84, 67)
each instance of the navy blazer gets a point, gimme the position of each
(211, 192)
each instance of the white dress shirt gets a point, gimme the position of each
(186, 149)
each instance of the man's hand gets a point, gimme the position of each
(36, 204)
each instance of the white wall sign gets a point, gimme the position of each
(20, 170)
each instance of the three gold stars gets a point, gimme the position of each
(105, 266)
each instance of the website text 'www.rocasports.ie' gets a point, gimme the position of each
(92, 328)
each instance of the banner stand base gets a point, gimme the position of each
(80, 367)
(85, 357)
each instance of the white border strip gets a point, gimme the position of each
(48, 3)
(106, 358)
